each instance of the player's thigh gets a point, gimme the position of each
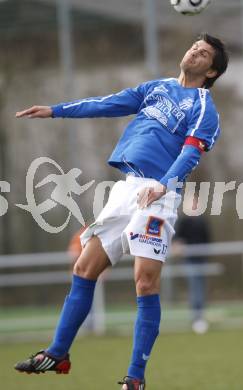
(92, 261)
(147, 275)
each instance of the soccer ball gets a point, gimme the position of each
(189, 7)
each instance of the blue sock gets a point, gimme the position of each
(75, 309)
(145, 332)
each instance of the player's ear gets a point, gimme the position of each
(211, 73)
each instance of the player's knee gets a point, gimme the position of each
(145, 286)
(80, 269)
(90, 267)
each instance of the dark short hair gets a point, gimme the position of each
(220, 60)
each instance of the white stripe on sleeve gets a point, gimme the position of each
(215, 135)
(88, 101)
(202, 95)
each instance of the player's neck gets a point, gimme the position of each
(190, 81)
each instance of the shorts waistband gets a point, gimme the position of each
(139, 180)
(150, 182)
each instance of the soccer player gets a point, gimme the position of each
(175, 123)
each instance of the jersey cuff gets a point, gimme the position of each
(57, 111)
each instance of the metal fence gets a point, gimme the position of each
(16, 275)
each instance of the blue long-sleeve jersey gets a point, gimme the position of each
(172, 126)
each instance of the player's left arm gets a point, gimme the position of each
(203, 130)
(187, 160)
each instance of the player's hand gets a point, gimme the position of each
(149, 194)
(35, 112)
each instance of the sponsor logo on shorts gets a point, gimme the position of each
(160, 248)
(145, 239)
(133, 236)
(153, 227)
(161, 251)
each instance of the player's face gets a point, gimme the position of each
(198, 60)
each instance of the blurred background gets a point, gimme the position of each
(61, 50)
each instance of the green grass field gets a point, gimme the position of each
(181, 361)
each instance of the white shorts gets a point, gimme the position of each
(124, 228)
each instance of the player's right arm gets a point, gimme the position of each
(125, 102)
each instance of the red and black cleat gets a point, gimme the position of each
(132, 384)
(42, 362)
